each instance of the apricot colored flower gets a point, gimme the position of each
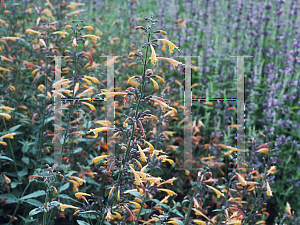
(30, 31)
(75, 4)
(142, 154)
(155, 84)
(77, 12)
(89, 27)
(11, 136)
(8, 109)
(271, 170)
(74, 43)
(96, 159)
(263, 150)
(216, 191)
(97, 130)
(170, 44)
(288, 208)
(89, 105)
(79, 194)
(93, 37)
(153, 55)
(170, 192)
(62, 33)
(241, 179)
(79, 180)
(7, 180)
(9, 38)
(172, 61)
(269, 191)
(7, 116)
(65, 206)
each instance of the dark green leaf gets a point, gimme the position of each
(64, 187)
(81, 222)
(35, 211)
(34, 195)
(5, 158)
(34, 202)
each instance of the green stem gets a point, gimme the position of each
(12, 153)
(17, 207)
(136, 112)
(140, 211)
(74, 84)
(191, 203)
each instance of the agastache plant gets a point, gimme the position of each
(131, 172)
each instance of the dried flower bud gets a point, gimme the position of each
(138, 27)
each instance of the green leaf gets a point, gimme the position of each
(154, 200)
(15, 184)
(77, 150)
(148, 211)
(49, 119)
(5, 158)
(177, 213)
(25, 160)
(64, 187)
(14, 128)
(178, 221)
(23, 172)
(107, 192)
(34, 195)
(80, 222)
(93, 182)
(48, 159)
(34, 202)
(35, 211)
(9, 198)
(217, 210)
(184, 201)
(136, 194)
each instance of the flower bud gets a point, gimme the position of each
(163, 32)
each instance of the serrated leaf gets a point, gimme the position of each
(34, 195)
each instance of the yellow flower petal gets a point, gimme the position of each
(62, 33)
(170, 192)
(153, 55)
(11, 136)
(79, 194)
(170, 44)
(65, 206)
(7, 116)
(155, 84)
(89, 105)
(95, 160)
(89, 27)
(28, 31)
(143, 156)
(219, 194)
(150, 146)
(94, 79)
(8, 109)
(93, 37)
